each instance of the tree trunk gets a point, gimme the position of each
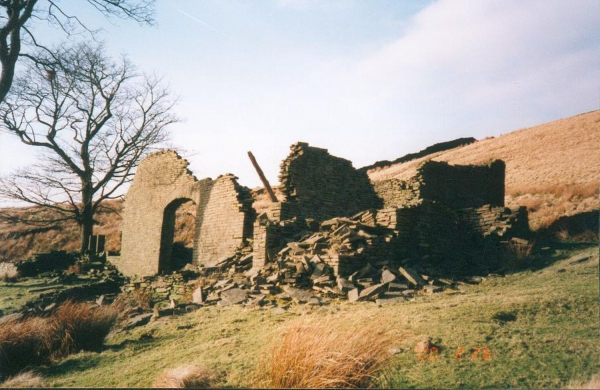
(6, 79)
(87, 214)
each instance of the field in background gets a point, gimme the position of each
(553, 169)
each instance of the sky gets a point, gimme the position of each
(369, 80)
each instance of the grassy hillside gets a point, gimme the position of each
(539, 328)
(553, 168)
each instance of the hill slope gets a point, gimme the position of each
(553, 168)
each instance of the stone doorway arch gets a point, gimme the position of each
(166, 261)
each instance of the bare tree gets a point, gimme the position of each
(93, 120)
(17, 16)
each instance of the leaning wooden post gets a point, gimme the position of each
(263, 178)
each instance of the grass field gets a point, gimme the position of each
(534, 329)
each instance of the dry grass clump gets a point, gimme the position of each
(82, 326)
(518, 255)
(71, 328)
(187, 377)
(320, 353)
(23, 380)
(592, 384)
(24, 343)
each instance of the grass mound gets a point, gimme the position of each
(187, 377)
(71, 328)
(325, 354)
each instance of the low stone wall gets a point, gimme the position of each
(455, 186)
(160, 288)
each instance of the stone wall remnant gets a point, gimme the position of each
(161, 184)
(320, 186)
(456, 186)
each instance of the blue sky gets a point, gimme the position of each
(368, 80)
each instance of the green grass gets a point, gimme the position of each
(14, 295)
(541, 328)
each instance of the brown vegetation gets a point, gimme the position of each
(187, 377)
(71, 328)
(553, 168)
(321, 353)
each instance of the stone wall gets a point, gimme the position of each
(320, 186)
(162, 183)
(458, 241)
(456, 186)
(224, 220)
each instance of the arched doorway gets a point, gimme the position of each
(177, 235)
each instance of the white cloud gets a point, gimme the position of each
(474, 55)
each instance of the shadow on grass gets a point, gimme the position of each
(74, 363)
(553, 252)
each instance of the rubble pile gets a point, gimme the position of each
(305, 270)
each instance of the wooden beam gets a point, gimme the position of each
(263, 178)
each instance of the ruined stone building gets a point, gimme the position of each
(449, 216)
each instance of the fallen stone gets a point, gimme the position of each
(298, 295)
(423, 346)
(222, 283)
(371, 292)
(344, 284)
(257, 300)
(233, 296)
(366, 271)
(387, 276)
(430, 289)
(138, 320)
(278, 310)
(319, 270)
(353, 295)
(397, 286)
(198, 296)
(412, 276)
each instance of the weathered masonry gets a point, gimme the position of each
(161, 184)
(451, 217)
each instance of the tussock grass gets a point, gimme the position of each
(71, 328)
(187, 377)
(325, 354)
(24, 343)
(82, 326)
(27, 379)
